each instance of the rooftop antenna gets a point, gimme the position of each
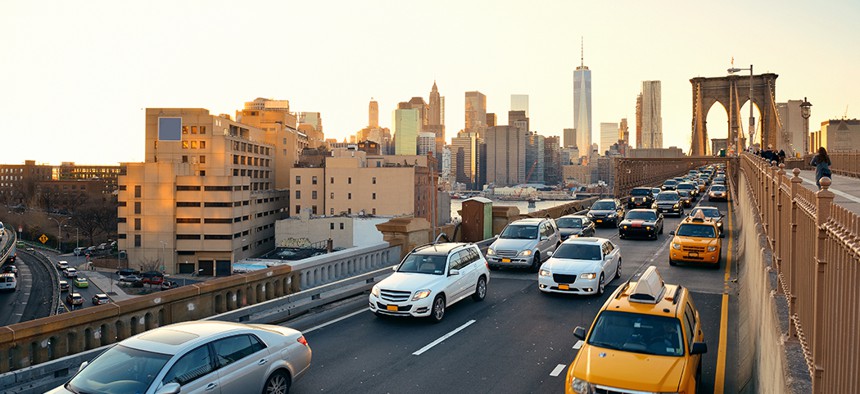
(582, 51)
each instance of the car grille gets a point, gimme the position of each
(394, 295)
(612, 390)
(507, 253)
(404, 308)
(692, 248)
(563, 278)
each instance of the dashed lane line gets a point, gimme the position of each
(443, 338)
(557, 370)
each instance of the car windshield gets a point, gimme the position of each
(668, 197)
(423, 264)
(640, 192)
(577, 251)
(685, 186)
(603, 206)
(569, 222)
(671, 182)
(718, 188)
(696, 230)
(709, 213)
(120, 369)
(638, 333)
(519, 232)
(641, 215)
(684, 193)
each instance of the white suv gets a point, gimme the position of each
(431, 278)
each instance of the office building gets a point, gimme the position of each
(639, 121)
(506, 155)
(203, 198)
(624, 131)
(279, 125)
(582, 107)
(407, 126)
(608, 136)
(520, 102)
(552, 160)
(519, 119)
(373, 114)
(476, 113)
(652, 120)
(492, 120)
(464, 151)
(310, 123)
(569, 137)
(426, 143)
(837, 135)
(534, 158)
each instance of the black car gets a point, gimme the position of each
(686, 198)
(640, 197)
(712, 213)
(691, 187)
(669, 201)
(10, 269)
(669, 184)
(607, 212)
(126, 272)
(641, 222)
(575, 226)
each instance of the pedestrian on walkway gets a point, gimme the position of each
(781, 156)
(821, 161)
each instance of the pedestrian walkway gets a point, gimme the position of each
(846, 189)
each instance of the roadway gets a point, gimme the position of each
(517, 340)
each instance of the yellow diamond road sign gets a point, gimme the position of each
(43, 238)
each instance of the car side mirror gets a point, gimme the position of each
(579, 332)
(672, 232)
(83, 365)
(454, 272)
(699, 348)
(170, 388)
(548, 254)
(496, 236)
(394, 268)
(544, 238)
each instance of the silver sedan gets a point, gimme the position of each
(199, 356)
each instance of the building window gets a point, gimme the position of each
(184, 129)
(193, 129)
(332, 180)
(314, 195)
(298, 180)
(202, 159)
(184, 144)
(374, 211)
(184, 159)
(202, 173)
(298, 209)
(349, 196)
(349, 211)
(193, 144)
(314, 209)
(374, 196)
(137, 224)
(331, 211)
(332, 195)
(137, 191)
(374, 180)
(202, 131)
(314, 180)
(137, 240)
(331, 226)
(341, 226)
(298, 194)
(349, 180)
(137, 208)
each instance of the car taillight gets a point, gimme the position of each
(301, 339)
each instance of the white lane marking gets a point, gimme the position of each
(557, 371)
(577, 345)
(837, 192)
(446, 336)
(333, 321)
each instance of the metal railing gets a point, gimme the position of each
(817, 258)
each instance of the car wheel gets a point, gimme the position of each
(536, 262)
(480, 289)
(438, 311)
(618, 270)
(600, 286)
(621, 235)
(277, 383)
(672, 262)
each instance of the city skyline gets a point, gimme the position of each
(79, 78)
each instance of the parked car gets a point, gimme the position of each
(669, 202)
(80, 251)
(581, 266)
(431, 278)
(64, 286)
(152, 277)
(126, 272)
(641, 222)
(606, 212)
(524, 243)
(575, 226)
(75, 299)
(190, 356)
(648, 329)
(100, 298)
(640, 197)
(166, 285)
(131, 278)
(81, 282)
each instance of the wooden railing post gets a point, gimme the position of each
(796, 183)
(823, 201)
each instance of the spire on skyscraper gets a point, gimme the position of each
(434, 86)
(582, 51)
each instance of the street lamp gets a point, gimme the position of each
(163, 261)
(77, 236)
(59, 229)
(752, 118)
(805, 112)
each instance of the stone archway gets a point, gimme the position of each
(732, 92)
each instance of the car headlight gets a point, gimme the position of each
(648, 228)
(589, 214)
(590, 275)
(675, 206)
(375, 291)
(545, 272)
(676, 246)
(491, 252)
(624, 227)
(612, 215)
(525, 253)
(580, 386)
(420, 294)
(712, 248)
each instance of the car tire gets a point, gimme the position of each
(480, 289)
(536, 263)
(438, 311)
(618, 270)
(277, 383)
(621, 235)
(601, 287)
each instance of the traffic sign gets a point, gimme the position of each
(43, 238)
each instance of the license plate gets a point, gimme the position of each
(694, 254)
(506, 260)
(563, 287)
(599, 221)
(392, 308)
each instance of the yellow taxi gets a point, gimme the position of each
(697, 240)
(647, 337)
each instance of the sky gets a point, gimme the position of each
(76, 77)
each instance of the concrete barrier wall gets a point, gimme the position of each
(768, 362)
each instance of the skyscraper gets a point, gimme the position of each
(476, 113)
(520, 102)
(465, 144)
(652, 120)
(535, 159)
(407, 125)
(639, 121)
(373, 114)
(436, 121)
(582, 106)
(624, 131)
(506, 155)
(569, 138)
(608, 136)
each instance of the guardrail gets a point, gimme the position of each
(817, 260)
(55, 278)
